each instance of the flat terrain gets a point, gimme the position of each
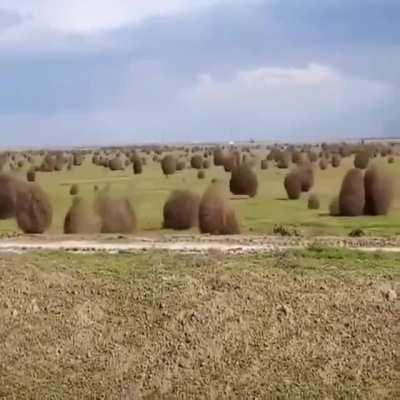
(192, 243)
(258, 215)
(303, 324)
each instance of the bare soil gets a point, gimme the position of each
(161, 325)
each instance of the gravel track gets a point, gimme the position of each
(193, 244)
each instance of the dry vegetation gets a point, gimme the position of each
(168, 326)
(247, 171)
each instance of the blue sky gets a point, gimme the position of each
(123, 71)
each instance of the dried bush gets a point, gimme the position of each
(116, 164)
(117, 215)
(31, 175)
(201, 174)
(345, 150)
(3, 160)
(283, 160)
(352, 194)
(219, 157)
(323, 163)
(49, 164)
(231, 161)
(361, 160)
(77, 159)
(264, 164)
(137, 165)
(336, 160)
(297, 157)
(81, 219)
(216, 217)
(58, 166)
(206, 164)
(312, 156)
(292, 185)
(181, 210)
(74, 189)
(8, 196)
(196, 161)
(306, 173)
(379, 191)
(243, 181)
(34, 211)
(334, 209)
(286, 230)
(356, 232)
(168, 165)
(313, 202)
(180, 165)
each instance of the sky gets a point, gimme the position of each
(99, 72)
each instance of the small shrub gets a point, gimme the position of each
(117, 215)
(31, 175)
(168, 165)
(352, 194)
(196, 161)
(77, 159)
(306, 174)
(313, 202)
(264, 164)
(231, 161)
(243, 181)
(181, 210)
(216, 217)
(323, 163)
(297, 157)
(284, 230)
(49, 164)
(379, 191)
(334, 209)
(292, 185)
(8, 196)
(361, 159)
(312, 156)
(34, 211)
(357, 232)
(219, 157)
(201, 174)
(116, 164)
(336, 160)
(81, 219)
(137, 165)
(180, 165)
(206, 164)
(283, 160)
(74, 189)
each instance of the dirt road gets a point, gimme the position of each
(191, 243)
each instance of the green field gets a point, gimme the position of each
(312, 324)
(258, 215)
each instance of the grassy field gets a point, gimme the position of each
(309, 324)
(258, 215)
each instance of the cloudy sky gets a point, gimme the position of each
(126, 71)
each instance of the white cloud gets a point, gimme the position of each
(89, 16)
(290, 100)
